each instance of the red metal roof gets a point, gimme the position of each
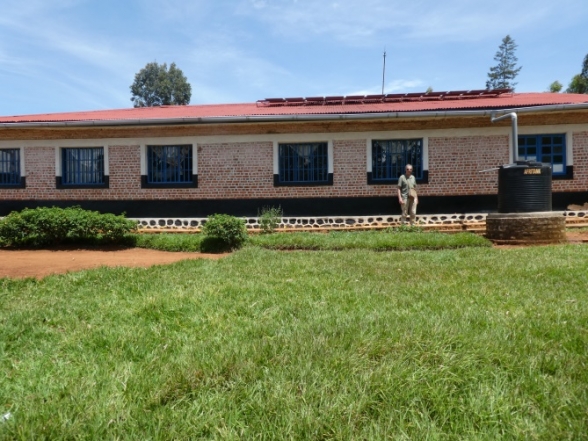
(315, 106)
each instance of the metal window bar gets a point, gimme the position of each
(304, 163)
(10, 167)
(83, 166)
(548, 149)
(389, 158)
(169, 164)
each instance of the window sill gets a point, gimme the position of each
(371, 181)
(60, 186)
(22, 184)
(278, 183)
(568, 176)
(193, 184)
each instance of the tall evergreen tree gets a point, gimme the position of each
(502, 75)
(155, 85)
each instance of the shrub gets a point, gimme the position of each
(404, 228)
(270, 218)
(223, 232)
(44, 226)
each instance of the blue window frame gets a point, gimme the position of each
(549, 149)
(169, 164)
(304, 163)
(10, 167)
(82, 166)
(390, 156)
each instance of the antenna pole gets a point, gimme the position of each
(384, 72)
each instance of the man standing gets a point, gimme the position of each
(407, 196)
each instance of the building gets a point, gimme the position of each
(312, 156)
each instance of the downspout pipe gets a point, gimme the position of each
(515, 132)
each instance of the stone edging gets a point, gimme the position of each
(338, 222)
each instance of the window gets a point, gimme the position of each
(549, 149)
(304, 164)
(10, 168)
(170, 166)
(82, 167)
(389, 158)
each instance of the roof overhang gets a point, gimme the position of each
(297, 117)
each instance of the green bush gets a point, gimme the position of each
(270, 218)
(223, 232)
(404, 228)
(45, 226)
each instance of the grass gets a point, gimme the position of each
(337, 240)
(167, 242)
(473, 343)
(368, 240)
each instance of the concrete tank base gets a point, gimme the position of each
(526, 228)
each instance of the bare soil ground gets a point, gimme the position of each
(20, 264)
(41, 263)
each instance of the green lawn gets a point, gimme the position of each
(393, 239)
(469, 343)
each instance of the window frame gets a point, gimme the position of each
(280, 161)
(421, 174)
(567, 172)
(147, 164)
(63, 183)
(20, 181)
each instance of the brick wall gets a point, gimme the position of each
(580, 152)
(245, 170)
(456, 164)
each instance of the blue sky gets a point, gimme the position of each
(71, 55)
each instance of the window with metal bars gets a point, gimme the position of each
(303, 163)
(549, 149)
(169, 164)
(390, 156)
(10, 167)
(82, 166)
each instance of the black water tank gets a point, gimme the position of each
(524, 187)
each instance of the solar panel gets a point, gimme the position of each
(316, 100)
(433, 95)
(394, 97)
(391, 97)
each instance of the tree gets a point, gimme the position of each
(556, 87)
(502, 75)
(155, 85)
(579, 83)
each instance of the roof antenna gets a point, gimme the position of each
(384, 71)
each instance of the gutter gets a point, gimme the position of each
(298, 117)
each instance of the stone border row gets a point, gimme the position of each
(338, 222)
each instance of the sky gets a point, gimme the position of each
(74, 55)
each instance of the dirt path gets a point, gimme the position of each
(40, 263)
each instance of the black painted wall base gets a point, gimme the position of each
(364, 206)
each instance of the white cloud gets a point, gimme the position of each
(368, 21)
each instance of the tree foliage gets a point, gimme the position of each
(155, 85)
(556, 87)
(502, 75)
(579, 83)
